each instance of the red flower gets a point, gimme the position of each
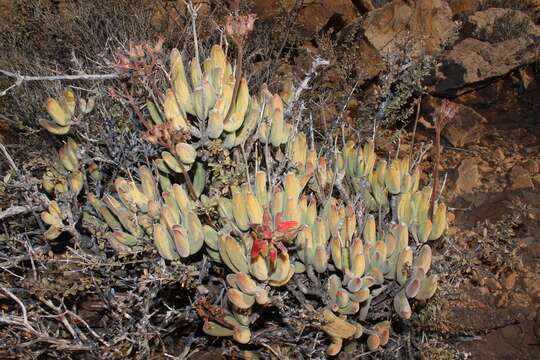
(257, 247)
(273, 255)
(284, 226)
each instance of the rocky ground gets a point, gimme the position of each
(491, 301)
(488, 305)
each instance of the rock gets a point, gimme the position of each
(313, 15)
(520, 178)
(467, 126)
(509, 281)
(499, 41)
(491, 283)
(368, 61)
(483, 97)
(513, 334)
(532, 167)
(483, 290)
(472, 61)
(429, 20)
(531, 284)
(364, 6)
(528, 78)
(498, 155)
(502, 300)
(464, 7)
(468, 176)
(499, 24)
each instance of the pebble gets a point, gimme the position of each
(532, 166)
(483, 290)
(491, 283)
(520, 178)
(468, 175)
(509, 281)
(532, 285)
(498, 154)
(502, 301)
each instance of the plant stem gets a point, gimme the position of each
(238, 78)
(414, 128)
(436, 168)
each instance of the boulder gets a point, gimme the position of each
(499, 41)
(312, 15)
(427, 21)
(497, 24)
(528, 78)
(473, 61)
(467, 127)
(368, 62)
(520, 178)
(468, 176)
(463, 7)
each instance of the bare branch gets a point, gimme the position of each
(20, 79)
(19, 210)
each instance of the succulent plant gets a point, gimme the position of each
(62, 112)
(358, 223)
(54, 217)
(339, 329)
(254, 232)
(170, 220)
(242, 295)
(66, 174)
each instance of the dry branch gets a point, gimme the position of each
(20, 79)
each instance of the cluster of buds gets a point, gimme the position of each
(66, 174)
(166, 133)
(141, 58)
(62, 112)
(238, 27)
